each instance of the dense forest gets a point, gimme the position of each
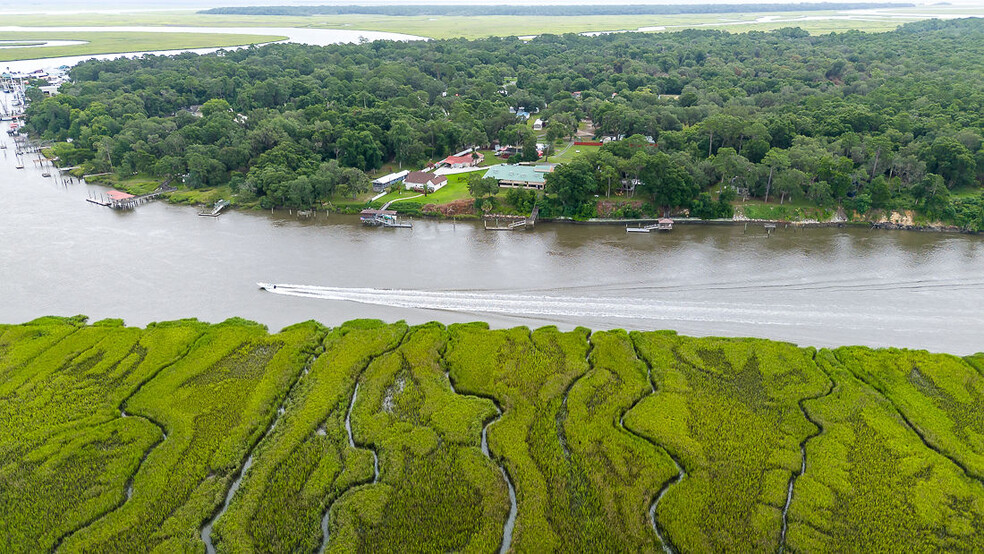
(889, 121)
(552, 11)
(371, 437)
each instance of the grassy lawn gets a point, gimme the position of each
(571, 153)
(456, 189)
(966, 192)
(137, 184)
(490, 159)
(108, 42)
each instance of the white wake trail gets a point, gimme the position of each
(597, 307)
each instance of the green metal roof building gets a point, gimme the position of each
(520, 176)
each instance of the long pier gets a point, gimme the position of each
(124, 201)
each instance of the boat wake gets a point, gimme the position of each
(596, 307)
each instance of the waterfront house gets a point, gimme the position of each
(424, 181)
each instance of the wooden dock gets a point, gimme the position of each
(119, 200)
(382, 218)
(664, 224)
(514, 222)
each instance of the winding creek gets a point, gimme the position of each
(206, 531)
(796, 475)
(326, 516)
(510, 524)
(317, 37)
(661, 534)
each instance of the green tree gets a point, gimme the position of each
(952, 161)
(482, 187)
(359, 149)
(667, 183)
(934, 195)
(774, 159)
(572, 183)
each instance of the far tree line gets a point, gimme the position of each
(864, 121)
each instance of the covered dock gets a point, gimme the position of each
(662, 224)
(382, 218)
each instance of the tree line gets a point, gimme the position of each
(866, 121)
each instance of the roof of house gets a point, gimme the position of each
(466, 159)
(527, 173)
(391, 177)
(423, 177)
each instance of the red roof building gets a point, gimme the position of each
(468, 160)
(118, 195)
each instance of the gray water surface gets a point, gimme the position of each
(60, 255)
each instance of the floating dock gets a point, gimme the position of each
(382, 218)
(216, 210)
(664, 224)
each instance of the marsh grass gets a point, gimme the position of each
(872, 486)
(584, 424)
(306, 462)
(727, 408)
(213, 403)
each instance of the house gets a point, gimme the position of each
(520, 176)
(538, 125)
(386, 181)
(629, 185)
(424, 181)
(468, 159)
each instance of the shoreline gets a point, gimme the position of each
(885, 225)
(807, 224)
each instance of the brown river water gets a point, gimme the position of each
(61, 255)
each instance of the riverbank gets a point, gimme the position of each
(876, 219)
(463, 209)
